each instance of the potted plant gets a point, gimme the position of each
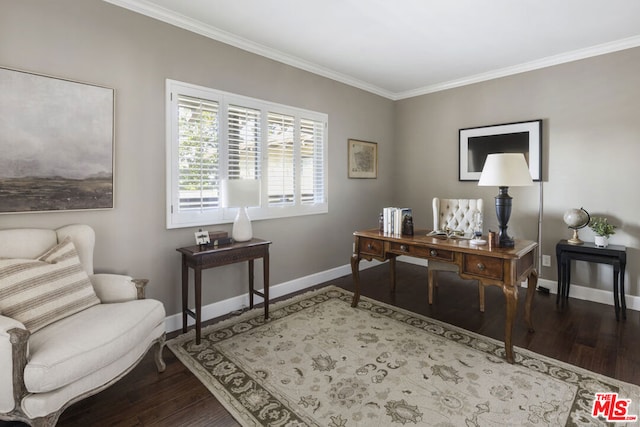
(603, 230)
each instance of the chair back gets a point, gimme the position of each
(456, 214)
(30, 243)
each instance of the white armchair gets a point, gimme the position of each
(456, 215)
(65, 332)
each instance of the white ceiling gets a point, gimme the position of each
(404, 48)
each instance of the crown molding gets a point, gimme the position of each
(156, 12)
(170, 17)
(550, 61)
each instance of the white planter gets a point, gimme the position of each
(601, 241)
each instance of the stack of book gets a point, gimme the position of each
(397, 221)
(219, 238)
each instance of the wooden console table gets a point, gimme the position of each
(208, 257)
(504, 267)
(615, 255)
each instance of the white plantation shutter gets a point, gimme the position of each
(312, 177)
(213, 135)
(281, 183)
(243, 127)
(198, 154)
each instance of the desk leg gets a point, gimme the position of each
(185, 293)
(355, 273)
(616, 303)
(265, 274)
(392, 272)
(251, 289)
(532, 283)
(198, 300)
(511, 297)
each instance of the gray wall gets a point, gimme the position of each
(96, 42)
(591, 143)
(591, 146)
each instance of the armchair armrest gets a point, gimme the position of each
(14, 340)
(117, 288)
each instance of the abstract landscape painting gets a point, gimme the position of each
(56, 139)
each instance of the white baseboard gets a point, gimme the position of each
(575, 291)
(220, 308)
(589, 294)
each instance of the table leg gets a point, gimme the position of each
(198, 300)
(622, 294)
(567, 285)
(355, 273)
(560, 282)
(511, 297)
(265, 274)
(251, 289)
(185, 293)
(616, 273)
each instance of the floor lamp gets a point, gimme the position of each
(241, 193)
(505, 170)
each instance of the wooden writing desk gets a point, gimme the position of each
(201, 259)
(504, 267)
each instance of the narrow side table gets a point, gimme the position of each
(201, 258)
(615, 255)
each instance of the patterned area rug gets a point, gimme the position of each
(320, 362)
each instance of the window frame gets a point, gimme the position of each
(219, 215)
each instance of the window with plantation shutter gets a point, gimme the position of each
(244, 143)
(214, 135)
(312, 176)
(281, 185)
(198, 181)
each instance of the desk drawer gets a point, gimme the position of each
(482, 266)
(370, 246)
(420, 251)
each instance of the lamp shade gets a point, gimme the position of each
(505, 170)
(240, 193)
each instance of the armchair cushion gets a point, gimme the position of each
(38, 292)
(79, 345)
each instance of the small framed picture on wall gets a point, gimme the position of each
(363, 159)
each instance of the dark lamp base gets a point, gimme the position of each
(507, 243)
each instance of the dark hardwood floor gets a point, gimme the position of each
(583, 333)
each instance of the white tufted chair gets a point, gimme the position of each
(457, 215)
(43, 371)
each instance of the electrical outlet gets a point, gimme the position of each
(546, 260)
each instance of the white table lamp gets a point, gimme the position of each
(505, 170)
(241, 193)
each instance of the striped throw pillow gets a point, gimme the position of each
(38, 292)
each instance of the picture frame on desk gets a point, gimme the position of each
(475, 144)
(362, 159)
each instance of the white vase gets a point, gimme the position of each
(601, 241)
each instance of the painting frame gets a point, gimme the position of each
(362, 159)
(58, 136)
(517, 137)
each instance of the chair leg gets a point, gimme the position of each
(481, 292)
(159, 359)
(432, 277)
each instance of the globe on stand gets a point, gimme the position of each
(575, 220)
